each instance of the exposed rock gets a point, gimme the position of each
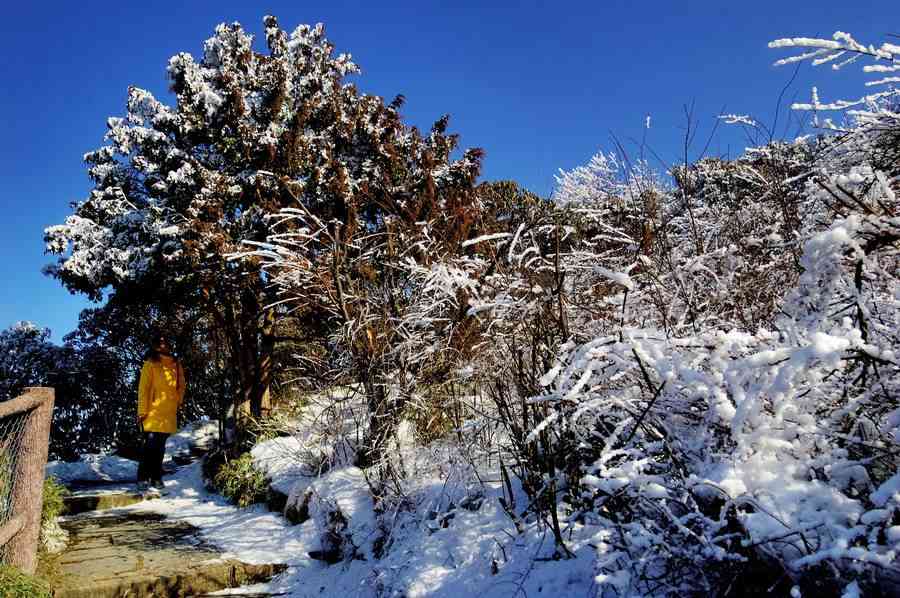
(297, 512)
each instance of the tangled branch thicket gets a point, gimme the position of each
(699, 370)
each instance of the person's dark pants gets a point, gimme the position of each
(150, 467)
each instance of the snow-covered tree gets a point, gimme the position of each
(27, 358)
(395, 200)
(178, 188)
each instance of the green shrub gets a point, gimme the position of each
(16, 584)
(237, 479)
(53, 506)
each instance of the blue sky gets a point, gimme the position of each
(538, 85)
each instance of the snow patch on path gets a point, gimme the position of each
(112, 468)
(93, 468)
(445, 554)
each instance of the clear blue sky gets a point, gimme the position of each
(538, 85)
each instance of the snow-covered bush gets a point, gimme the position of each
(729, 451)
(703, 374)
(389, 200)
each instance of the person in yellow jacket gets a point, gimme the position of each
(160, 394)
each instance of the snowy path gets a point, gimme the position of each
(253, 535)
(434, 547)
(454, 560)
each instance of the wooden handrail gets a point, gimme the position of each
(26, 496)
(10, 529)
(32, 399)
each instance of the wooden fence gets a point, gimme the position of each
(24, 440)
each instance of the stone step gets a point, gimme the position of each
(86, 501)
(144, 554)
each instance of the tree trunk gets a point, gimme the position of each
(255, 363)
(384, 415)
(248, 355)
(261, 404)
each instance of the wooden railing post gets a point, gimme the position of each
(28, 486)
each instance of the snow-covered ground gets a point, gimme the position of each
(112, 468)
(199, 434)
(93, 468)
(449, 553)
(448, 537)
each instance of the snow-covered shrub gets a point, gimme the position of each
(757, 452)
(703, 375)
(370, 194)
(320, 436)
(358, 513)
(694, 449)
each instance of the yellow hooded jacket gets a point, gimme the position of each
(160, 394)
